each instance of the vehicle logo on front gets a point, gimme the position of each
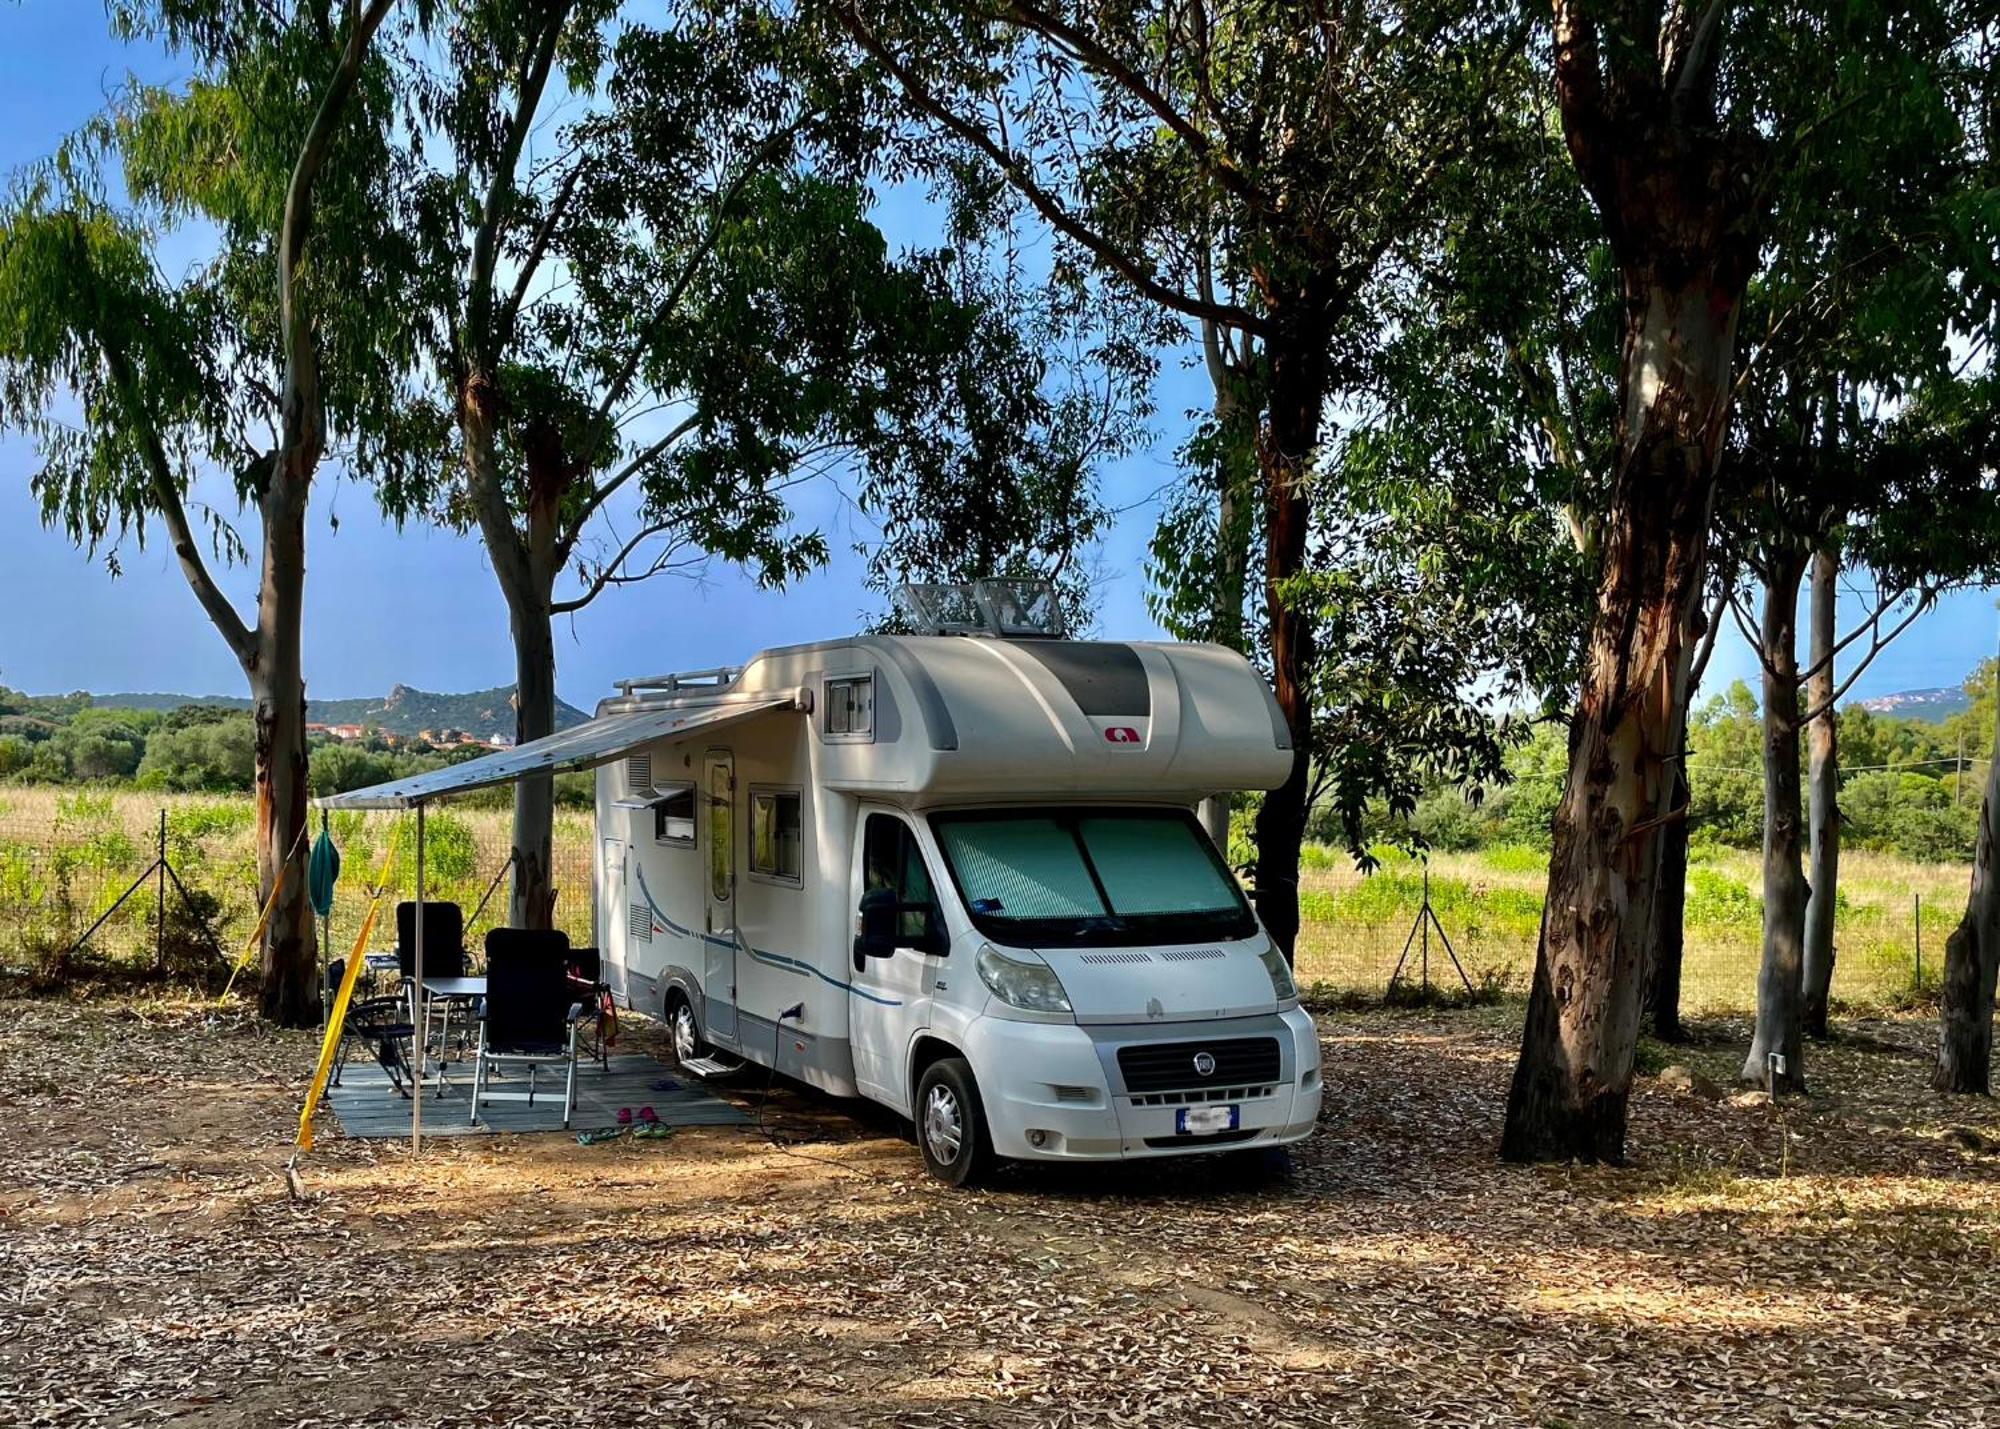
(1121, 734)
(1204, 1064)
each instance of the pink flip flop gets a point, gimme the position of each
(625, 1115)
(647, 1115)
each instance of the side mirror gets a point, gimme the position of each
(877, 935)
(882, 924)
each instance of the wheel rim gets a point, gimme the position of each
(684, 1033)
(944, 1127)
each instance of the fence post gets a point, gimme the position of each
(1917, 903)
(160, 920)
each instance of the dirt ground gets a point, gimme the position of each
(1822, 1262)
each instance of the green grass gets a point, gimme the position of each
(1354, 927)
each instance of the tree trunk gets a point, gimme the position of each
(289, 994)
(1669, 916)
(1568, 1097)
(531, 903)
(1781, 978)
(1235, 491)
(1823, 777)
(1297, 362)
(1972, 963)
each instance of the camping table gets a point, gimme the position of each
(451, 991)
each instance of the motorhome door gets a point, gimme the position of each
(609, 919)
(718, 978)
(889, 997)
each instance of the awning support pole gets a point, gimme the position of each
(418, 1006)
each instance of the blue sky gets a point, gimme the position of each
(420, 607)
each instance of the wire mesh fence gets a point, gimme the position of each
(67, 856)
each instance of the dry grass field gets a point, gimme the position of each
(65, 855)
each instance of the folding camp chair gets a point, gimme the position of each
(444, 956)
(532, 1015)
(382, 1025)
(599, 1025)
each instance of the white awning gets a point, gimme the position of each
(596, 742)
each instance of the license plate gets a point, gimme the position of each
(1204, 1120)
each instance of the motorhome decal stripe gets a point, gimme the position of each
(780, 960)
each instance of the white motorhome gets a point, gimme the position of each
(960, 873)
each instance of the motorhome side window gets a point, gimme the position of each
(775, 833)
(850, 708)
(673, 814)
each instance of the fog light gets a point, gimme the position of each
(1038, 1138)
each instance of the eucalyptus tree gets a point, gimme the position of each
(656, 302)
(1687, 122)
(251, 363)
(1244, 167)
(1865, 398)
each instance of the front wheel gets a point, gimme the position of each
(951, 1123)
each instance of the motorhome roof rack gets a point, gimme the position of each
(1008, 608)
(687, 681)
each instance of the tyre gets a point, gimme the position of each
(951, 1123)
(685, 1030)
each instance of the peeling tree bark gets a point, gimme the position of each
(1823, 778)
(1676, 195)
(1781, 977)
(1972, 964)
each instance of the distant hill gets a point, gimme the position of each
(405, 711)
(1931, 706)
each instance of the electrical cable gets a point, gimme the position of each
(796, 1012)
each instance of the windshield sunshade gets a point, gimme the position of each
(1099, 875)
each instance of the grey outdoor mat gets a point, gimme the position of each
(368, 1107)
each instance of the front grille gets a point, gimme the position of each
(1170, 1066)
(1208, 1094)
(1075, 1094)
(1191, 955)
(1126, 958)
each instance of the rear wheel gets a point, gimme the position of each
(951, 1123)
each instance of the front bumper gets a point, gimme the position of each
(1055, 1091)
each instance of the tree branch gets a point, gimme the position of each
(1088, 51)
(301, 363)
(1015, 171)
(1875, 647)
(531, 261)
(607, 574)
(172, 509)
(486, 242)
(567, 543)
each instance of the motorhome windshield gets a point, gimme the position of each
(1055, 877)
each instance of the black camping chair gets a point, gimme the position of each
(444, 956)
(381, 1024)
(444, 940)
(600, 1013)
(533, 1014)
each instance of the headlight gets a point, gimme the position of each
(1282, 986)
(1033, 987)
